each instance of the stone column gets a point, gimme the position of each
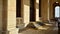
(1, 16)
(26, 12)
(37, 10)
(11, 17)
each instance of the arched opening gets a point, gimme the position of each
(56, 11)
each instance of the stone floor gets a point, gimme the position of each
(32, 31)
(51, 30)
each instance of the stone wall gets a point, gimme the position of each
(1, 5)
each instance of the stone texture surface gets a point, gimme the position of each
(11, 17)
(1, 14)
(32, 31)
(26, 12)
(11, 14)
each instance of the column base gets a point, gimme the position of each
(14, 31)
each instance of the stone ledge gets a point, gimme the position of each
(13, 31)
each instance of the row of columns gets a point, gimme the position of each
(26, 11)
(8, 18)
(8, 15)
